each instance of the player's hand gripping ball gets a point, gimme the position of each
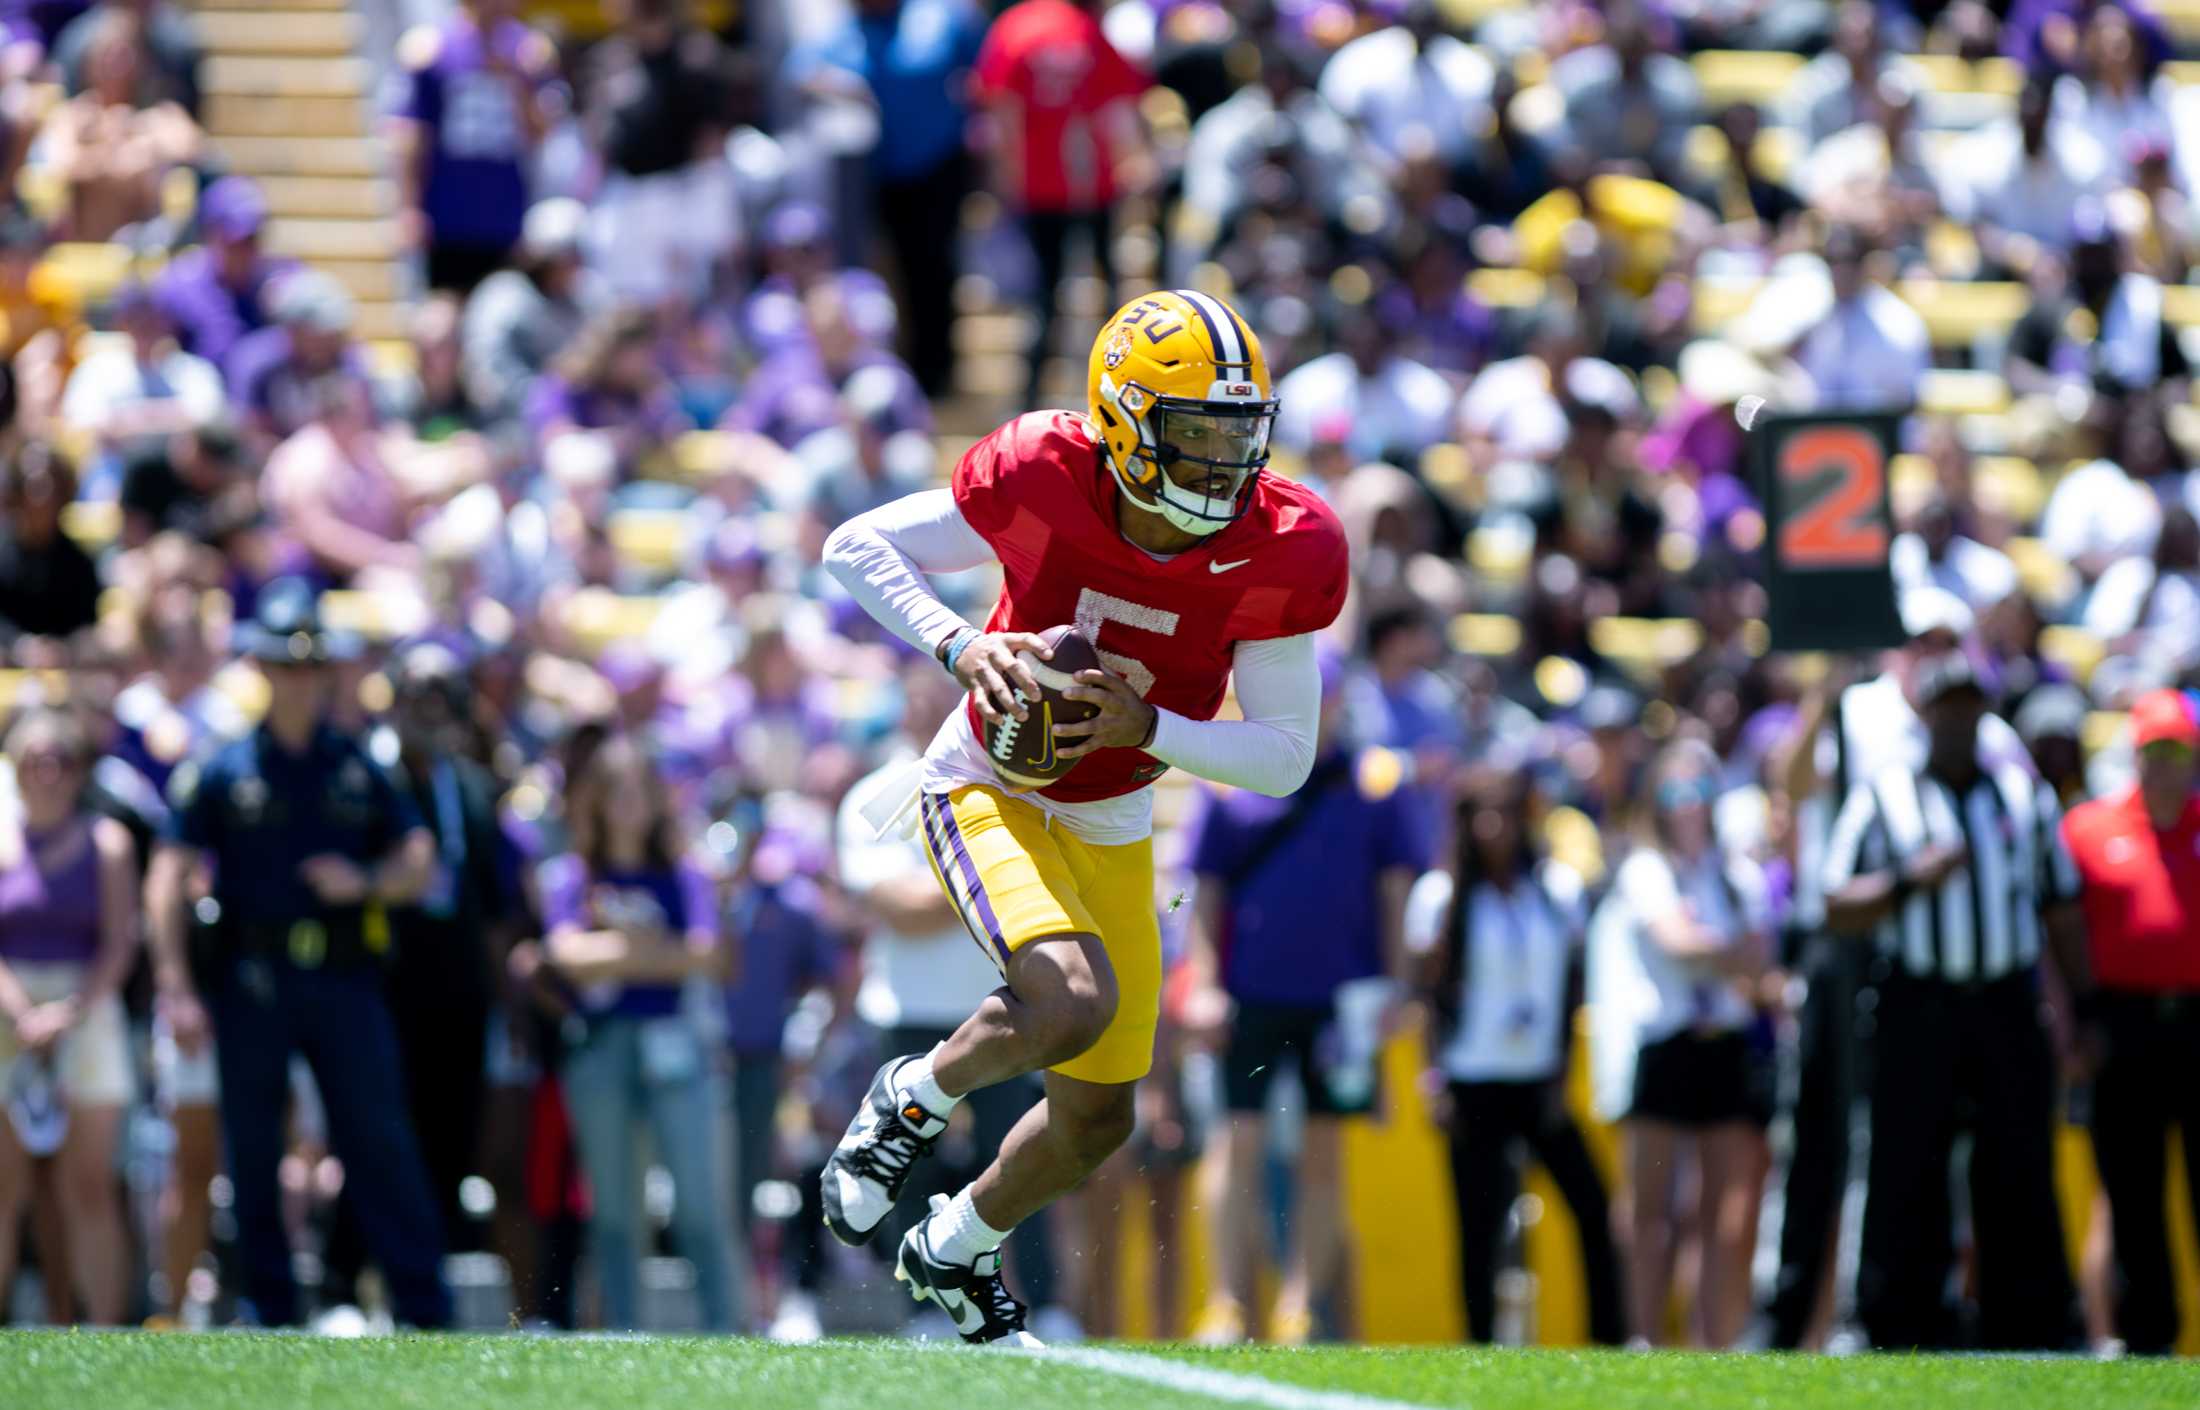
(1024, 686)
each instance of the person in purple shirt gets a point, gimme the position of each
(797, 391)
(1300, 901)
(217, 293)
(1435, 319)
(470, 121)
(272, 373)
(798, 257)
(68, 936)
(2045, 35)
(609, 380)
(628, 920)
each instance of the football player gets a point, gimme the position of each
(1149, 524)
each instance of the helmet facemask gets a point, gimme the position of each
(1198, 460)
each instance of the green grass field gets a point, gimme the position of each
(85, 1371)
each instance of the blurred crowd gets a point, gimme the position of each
(432, 760)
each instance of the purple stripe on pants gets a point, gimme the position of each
(943, 813)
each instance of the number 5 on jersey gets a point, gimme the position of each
(1096, 609)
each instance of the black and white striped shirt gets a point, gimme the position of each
(1983, 922)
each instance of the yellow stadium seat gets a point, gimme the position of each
(597, 617)
(585, 19)
(80, 275)
(1571, 838)
(1911, 477)
(2181, 304)
(377, 616)
(2009, 485)
(1501, 558)
(94, 524)
(43, 193)
(1646, 642)
(1507, 288)
(1447, 470)
(1957, 313)
(654, 540)
(1948, 391)
(2046, 578)
(2182, 19)
(1718, 302)
(242, 685)
(1946, 73)
(1485, 634)
(1466, 14)
(2075, 649)
(2103, 729)
(698, 457)
(394, 358)
(1744, 76)
(21, 689)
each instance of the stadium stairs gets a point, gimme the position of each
(288, 102)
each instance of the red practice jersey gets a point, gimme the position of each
(1039, 493)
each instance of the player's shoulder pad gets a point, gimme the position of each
(1028, 450)
(1048, 438)
(1307, 520)
(420, 46)
(1309, 553)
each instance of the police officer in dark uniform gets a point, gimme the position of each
(309, 845)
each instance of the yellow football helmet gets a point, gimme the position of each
(1180, 399)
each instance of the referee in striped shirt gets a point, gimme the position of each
(1959, 872)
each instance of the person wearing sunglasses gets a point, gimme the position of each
(68, 936)
(2138, 858)
(1676, 981)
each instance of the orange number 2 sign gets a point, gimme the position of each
(1841, 475)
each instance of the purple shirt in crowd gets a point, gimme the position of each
(1705, 440)
(794, 394)
(784, 951)
(265, 379)
(1456, 335)
(772, 318)
(210, 317)
(1309, 917)
(50, 916)
(475, 193)
(553, 399)
(669, 897)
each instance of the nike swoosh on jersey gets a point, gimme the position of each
(1226, 567)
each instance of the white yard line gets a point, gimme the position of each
(1216, 1385)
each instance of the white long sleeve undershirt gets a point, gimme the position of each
(882, 557)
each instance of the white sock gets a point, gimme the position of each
(915, 1081)
(956, 1233)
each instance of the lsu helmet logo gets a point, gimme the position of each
(1119, 347)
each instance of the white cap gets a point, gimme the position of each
(314, 299)
(553, 227)
(1934, 609)
(581, 460)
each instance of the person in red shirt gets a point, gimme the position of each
(2138, 856)
(1066, 137)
